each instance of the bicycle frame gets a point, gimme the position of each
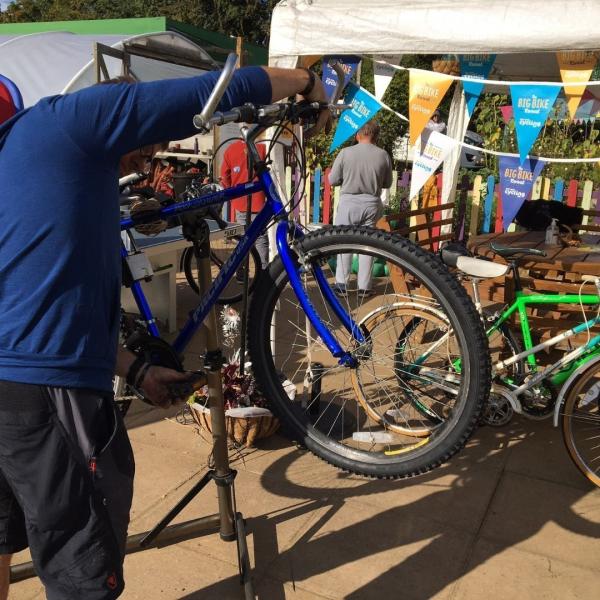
(273, 208)
(569, 362)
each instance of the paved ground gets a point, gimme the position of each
(509, 517)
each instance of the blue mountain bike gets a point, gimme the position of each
(325, 358)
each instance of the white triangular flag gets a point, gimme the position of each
(383, 73)
(431, 149)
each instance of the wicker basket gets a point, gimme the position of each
(244, 425)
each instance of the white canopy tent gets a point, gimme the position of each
(525, 35)
(44, 64)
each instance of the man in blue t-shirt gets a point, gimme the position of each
(66, 467)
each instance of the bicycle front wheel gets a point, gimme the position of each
(382, 418)
(581, 422)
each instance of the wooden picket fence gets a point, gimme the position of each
(477, 207)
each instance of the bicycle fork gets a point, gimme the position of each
(344, 358)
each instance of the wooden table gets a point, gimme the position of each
(582, 260)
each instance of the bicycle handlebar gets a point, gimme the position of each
(250, 113)
(202, 119)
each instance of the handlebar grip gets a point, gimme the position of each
(245, 113)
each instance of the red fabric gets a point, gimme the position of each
(7, 107)
(234, 170)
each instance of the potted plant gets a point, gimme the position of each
(247, 415)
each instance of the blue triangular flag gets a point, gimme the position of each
(531, 106)
(475, 66)
(364, 107)
(516, 181)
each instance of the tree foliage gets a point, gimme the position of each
(247, 18)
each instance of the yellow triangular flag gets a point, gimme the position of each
(426, 90)
(575, 66)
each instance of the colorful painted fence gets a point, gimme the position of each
(477, 207)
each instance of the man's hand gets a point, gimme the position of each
(290, 82)
(324, 121)
(157, 390)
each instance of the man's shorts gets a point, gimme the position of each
(66, 483)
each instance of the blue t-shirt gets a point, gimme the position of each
(60, 267)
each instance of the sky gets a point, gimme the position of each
(5, 3)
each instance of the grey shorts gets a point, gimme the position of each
(66, 484)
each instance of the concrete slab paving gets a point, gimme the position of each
(498, 572)
(496, 517)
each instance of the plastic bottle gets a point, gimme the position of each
(552, 233)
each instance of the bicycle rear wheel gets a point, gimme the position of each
(220, 250)
(364, 419)
(581, 422)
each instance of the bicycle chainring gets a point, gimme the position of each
(497, 411)
(538, 402)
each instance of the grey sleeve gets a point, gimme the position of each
(336, 175)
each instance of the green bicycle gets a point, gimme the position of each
(569, 387)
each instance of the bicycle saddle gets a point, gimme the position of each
(457, 256)
(508, 251)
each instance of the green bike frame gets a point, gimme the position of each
(571, 360)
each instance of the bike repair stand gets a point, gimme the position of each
(228, 521)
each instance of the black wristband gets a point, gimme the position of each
(311, 82)
(134, 369)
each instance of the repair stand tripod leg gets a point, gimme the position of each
(229, 522)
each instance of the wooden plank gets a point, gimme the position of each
(460, 217)
(536, 189)
(545, 194)
(316, 216)
(307, 189)
(327, 198)
(498, 224)
(586, 199)
(572, 193)
(475, 206)
(489, 202)
(559, 186)
(405, 179)
(420, 211)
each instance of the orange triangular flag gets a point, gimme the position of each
(575, 66)
(426, 90)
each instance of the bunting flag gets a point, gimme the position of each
(575, 67)
(507, 113)
(364, 107)
(434, 147)
(348, 64)
(589, 107)
(474, 66)
(383, 73)
(531, 105)
(516, 181)
(426, 90)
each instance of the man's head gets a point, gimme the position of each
(368, 133)
(137, 161)
(436, 116)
